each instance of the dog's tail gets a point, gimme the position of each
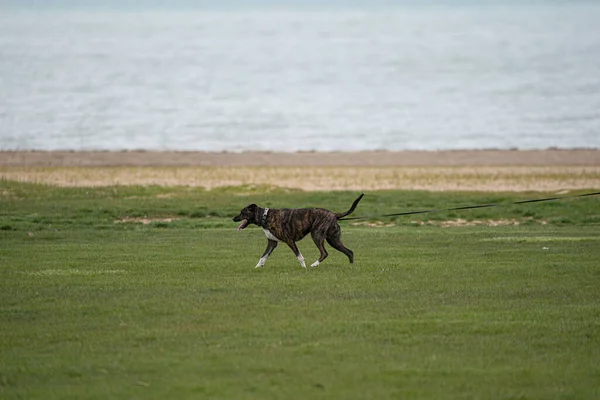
(351, 210)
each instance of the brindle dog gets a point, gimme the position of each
(291, 225)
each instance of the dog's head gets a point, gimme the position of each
(247, 216)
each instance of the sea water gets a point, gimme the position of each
(315, 78)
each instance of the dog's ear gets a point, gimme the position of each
(252, 207)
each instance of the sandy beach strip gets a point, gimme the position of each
(554, 157)
(487, 170)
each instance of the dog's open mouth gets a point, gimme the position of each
(243, 224)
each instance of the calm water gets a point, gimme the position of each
(314, 79)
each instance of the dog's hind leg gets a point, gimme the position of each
(297, 253)
(337, 244)
(334, 238)
(320, 242)
(270, 247)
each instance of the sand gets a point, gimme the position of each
(550, 157)
(481, 170)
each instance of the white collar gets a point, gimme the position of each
(263, 222)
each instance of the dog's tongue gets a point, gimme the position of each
(242, 225)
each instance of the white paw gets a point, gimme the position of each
(261, 262)
(301, 259)
(315, 263)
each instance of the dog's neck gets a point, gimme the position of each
(263, 219)
(261, 216)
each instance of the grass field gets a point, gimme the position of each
(150, 292)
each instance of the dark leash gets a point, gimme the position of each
(474, 206)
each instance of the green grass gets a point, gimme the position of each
(90, 308)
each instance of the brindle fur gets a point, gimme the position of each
(290, 225)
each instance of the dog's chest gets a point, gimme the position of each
(270, 235)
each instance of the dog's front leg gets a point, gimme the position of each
(297, 253)
(270, 247)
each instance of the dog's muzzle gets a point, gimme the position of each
(244, 223)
